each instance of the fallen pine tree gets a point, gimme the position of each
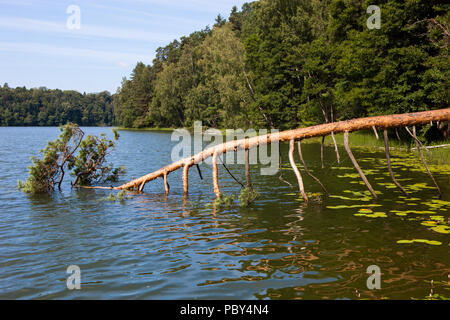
(371, 123)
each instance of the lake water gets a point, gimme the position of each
(158, 247)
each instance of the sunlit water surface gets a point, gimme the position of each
(158, 247)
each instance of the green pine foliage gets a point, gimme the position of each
(89, 166)
(86, 159)
(248, 196)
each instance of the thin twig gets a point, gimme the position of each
(398, 136)
(321, 152)
(229, 172)
(199, 171)
(281, 172)
(388, 158)
(247, 169)
(419, 149)
(414, 136)
(306, 168)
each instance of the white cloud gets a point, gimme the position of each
(16, 2)
(132, 14)
(34, 25)
(117, 58)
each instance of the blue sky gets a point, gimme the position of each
(38, 49)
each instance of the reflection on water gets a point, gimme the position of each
(166, 247)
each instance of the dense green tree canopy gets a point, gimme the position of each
(45, 107)
(290, 63)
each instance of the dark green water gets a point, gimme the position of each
(158, 247)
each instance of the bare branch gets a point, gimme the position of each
(358, 168)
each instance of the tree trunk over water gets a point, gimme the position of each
(381, 122)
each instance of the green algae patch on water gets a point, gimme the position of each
(363, 194)
(429, 223)
(437, 205)
(412, 204)
(387, 185)
(410, 199)
(418, 187)
(372, 215)
(353, 206)
(401, 214)
(363, 199)
(349, 175)
(405, 212)
(439, 219)
(343, 168)
(367, 172)
(441, 229)
(430, 242)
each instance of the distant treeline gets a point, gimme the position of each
(45, 107)
(291, 63)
